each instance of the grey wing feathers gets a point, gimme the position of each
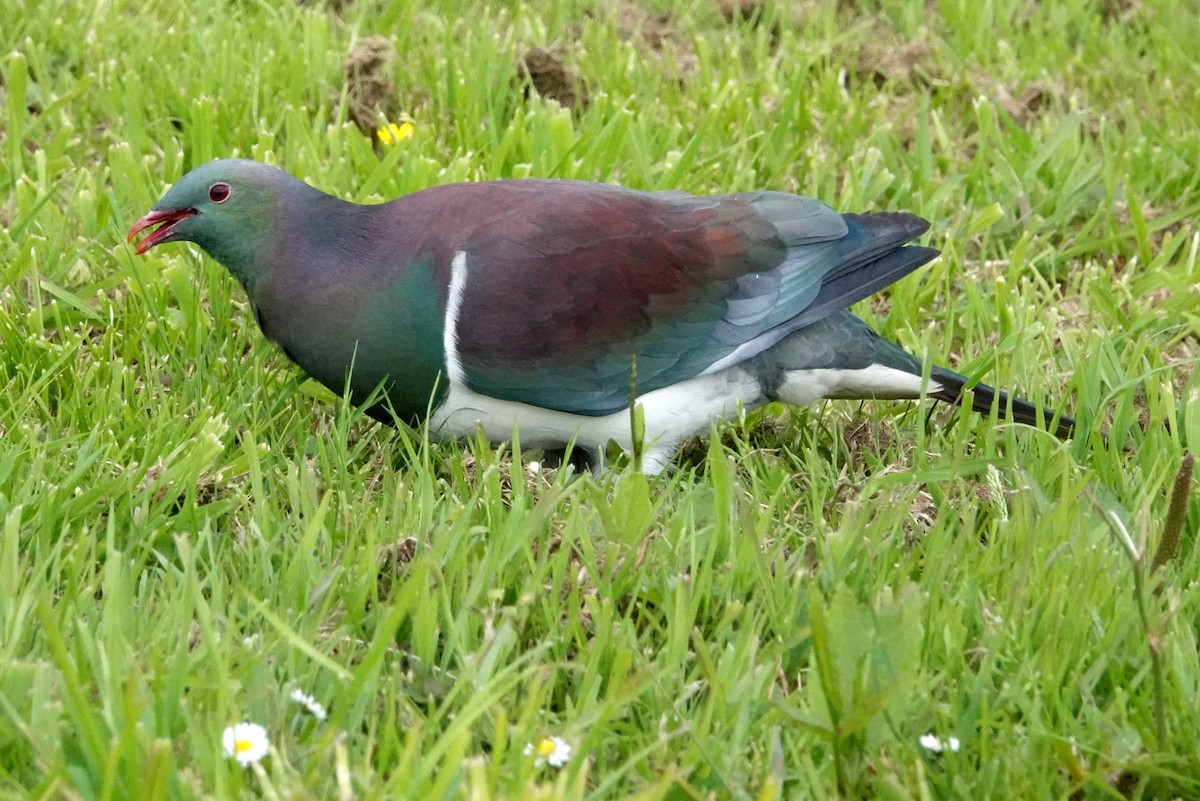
(823, 274)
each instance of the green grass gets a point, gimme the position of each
(188, 531)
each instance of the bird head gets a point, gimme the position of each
(228, 207)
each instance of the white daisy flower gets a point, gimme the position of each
(245, 742)
(313, 706)
(937, 745)
(552, 751)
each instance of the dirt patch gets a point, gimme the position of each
(1121, 11)
(538, 474)
(742, 10)
(749, 12)
(760, 438)
(922, 510)
(654, 35)
(638, 24)
(880, 63)
(1031, 102)
(870, 443)
(336, 6)
(868, 437)
(546, 72)
(1157, 227)
(922, 514)
(657, 38)
(208, 488)
(393, 563)
(369, 68)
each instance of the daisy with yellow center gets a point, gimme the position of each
(245, 742)
(393, 133)
(552, 751)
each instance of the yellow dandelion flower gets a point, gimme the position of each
(393, 133)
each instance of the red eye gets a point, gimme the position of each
(218, 192)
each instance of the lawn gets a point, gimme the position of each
(190, 530)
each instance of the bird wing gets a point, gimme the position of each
(568, 284)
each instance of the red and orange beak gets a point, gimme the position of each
(168, 217)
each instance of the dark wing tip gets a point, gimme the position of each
(912, 225)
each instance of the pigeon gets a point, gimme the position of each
(545, 307)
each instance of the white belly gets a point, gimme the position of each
(672, 414)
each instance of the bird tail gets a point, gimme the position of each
(953, 389)
(842, 357)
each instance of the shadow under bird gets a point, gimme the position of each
(524, 304)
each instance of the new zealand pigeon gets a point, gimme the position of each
(526, 304)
